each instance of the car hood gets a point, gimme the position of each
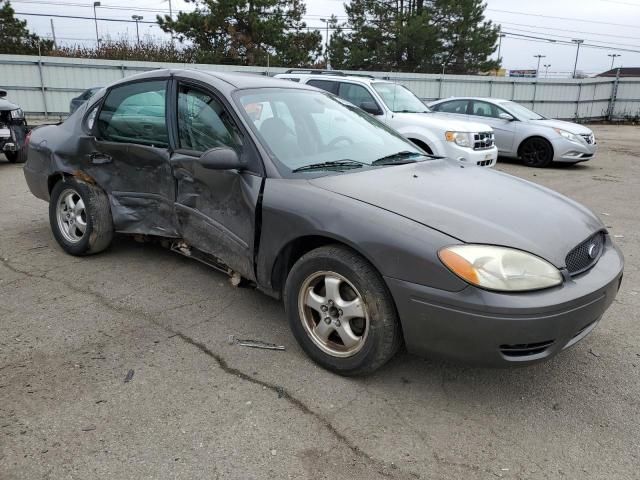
(438, 121)
(473, 205)
(6, 105)
(568, 126)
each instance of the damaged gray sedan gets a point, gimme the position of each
(370, 242)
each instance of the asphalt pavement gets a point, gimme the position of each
(117, 366)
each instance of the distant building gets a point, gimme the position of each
(624, 72)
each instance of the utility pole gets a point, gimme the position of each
(500, 43)
(613, 58)
(137, 18)
(171, 17)
(546, 69)
(53, 34)
(95, 19)
(575, 65)
(326, 45)
(539, 57)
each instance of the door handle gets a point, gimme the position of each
(98, 158)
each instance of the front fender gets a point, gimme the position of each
(396, 246)
(426, 136)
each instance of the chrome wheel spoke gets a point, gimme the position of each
(323, 330)
(315, 301)
(349, 339)
(71, 216)
(351, 309)
(332, 287)
(81, 224)
(68, 200)
(79, 207)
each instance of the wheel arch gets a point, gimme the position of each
(61, 175)
(292, 251)
(423, 145)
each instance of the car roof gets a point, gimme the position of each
(485, 99)
(232, 80)
(332, 77)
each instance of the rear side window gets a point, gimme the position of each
(327, 85)
(135, 113)
(454, 106)
(203, 122)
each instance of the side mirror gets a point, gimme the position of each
(221, 158)
(506, 116)
(370, 107)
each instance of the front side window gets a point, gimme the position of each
(521, 112)
(303, 127)
(203, 122)
(454, 106)
(399, 98)
(485, 109)
(135, 113)
(356, 94)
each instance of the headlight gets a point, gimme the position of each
(18, 113)
(462, 139)
(500, 268)
(568, 135)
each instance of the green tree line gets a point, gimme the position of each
(399, 35)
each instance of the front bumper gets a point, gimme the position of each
(482, 158)
(567, 151)
(499, 329)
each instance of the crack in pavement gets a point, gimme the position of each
(225, 367)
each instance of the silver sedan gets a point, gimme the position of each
(522, 133)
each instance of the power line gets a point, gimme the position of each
(572, 31)
(564, 18)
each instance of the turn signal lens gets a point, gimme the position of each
(500, 268)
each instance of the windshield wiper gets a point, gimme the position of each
(398, 158)
(332, 165)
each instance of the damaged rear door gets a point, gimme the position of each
(216, 209)
(129, 157)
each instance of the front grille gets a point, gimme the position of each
(585, 255)
(589, 138)
(525, 349)
(483, 140)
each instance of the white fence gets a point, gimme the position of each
(44, 86)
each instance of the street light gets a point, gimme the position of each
(539, 57)
(95, 19)
(327, 66)
(575, 65)
(546, 69)
(137, 18)
(613, 58)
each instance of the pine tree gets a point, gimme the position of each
(246, 32)
(15, 38)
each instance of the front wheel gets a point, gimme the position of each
(341, 312)
(536, 152)
(80, 217)
(16, 157)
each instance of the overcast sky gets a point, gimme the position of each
(613, 24)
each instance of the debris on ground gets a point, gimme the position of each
(89, 428)
(595, 354)
(231, 339)
(129, 376)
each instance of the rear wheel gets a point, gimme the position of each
(80, 217)
(341, 312)
(536, 152)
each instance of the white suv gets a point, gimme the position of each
(403, 111)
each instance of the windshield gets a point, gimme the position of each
(521, 112)
(399, 98)
(303, 128)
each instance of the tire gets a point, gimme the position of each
(94, 216)
(335, 280)
(536, 152)
(16, 157)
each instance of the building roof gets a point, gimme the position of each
(624, 72)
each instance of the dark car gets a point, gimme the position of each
(13, 130)
(83, 97)
(369, 241)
